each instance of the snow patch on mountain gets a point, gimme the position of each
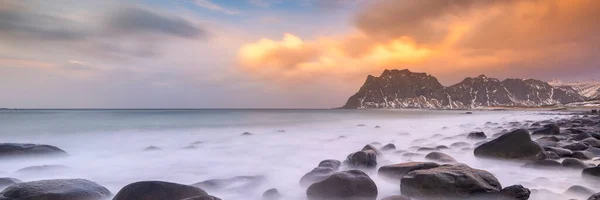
(588, 89)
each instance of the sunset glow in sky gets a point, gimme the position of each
(277, 53)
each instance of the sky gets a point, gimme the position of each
(277, 53)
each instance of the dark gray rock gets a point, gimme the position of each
(476, 136)
(57, 189)
(6, 181)
(559, 151)
(17, 150)
(233, 184)
(573, 163)
(440, 157)
(157, 190)
(576, 146)
(347, 185)
(583, 155)
(549, 141)
(594, 150)
(246, 134)
(395, 172)
(449, 182)
(389, 147)
(53, 169)
(203, 197)
(514, 192)
(592, 142)
(316, 175)
(362, 159)
(579, 191)
(369, 147)
(271, 194)
(594, 197)
(516, 145)
(543, 164)
(458, 145)
(591, 173)
(581, 136)
(548, 129)
(331, 163)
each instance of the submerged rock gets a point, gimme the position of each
(573, 163)
(397, 197)
(543, 164)
(591, 173)
(516, 145)
(579, 191)
(17, 150)
(548, 129)
(440, 157)
(235, 184)
(362, 159)
(157, 190)
(6, 181)
(477, 136)
(321, 172)
(347, 185)
(271, 194)
(388, 147)
(203, 197)
(449, 182)
(44, 169)
(152, 148)
(57, 189)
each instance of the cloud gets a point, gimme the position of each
(134, 20)
(450, 39)
(215, 7)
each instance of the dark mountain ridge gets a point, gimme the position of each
(406, 89)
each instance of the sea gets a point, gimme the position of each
(108, 146)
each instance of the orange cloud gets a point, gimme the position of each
(440, 37)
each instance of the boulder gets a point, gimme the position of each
(551, 155)
(573, 163)
(581, 136)
(594, 197)
(271, 194)
(544, 194)
(514, 192)
(330, 163)
(316, 175)
(516, 145)
(457, 145)
(449, 182)
(152, 148)
(543, 164)
(395, 172)
(346, 185)
(369, 147)
(559, 151)
(591, 173)
(246, 134)
(594, 150)
(18, 150)
(476, 136)
(157, 190)
(549, 141)
(56, 189)
(53, 169)
(592, 142)
(579, 191)
(6, 181)
(548, 129)
(233, 184)
(389, 147)
(362, 159)
(440, 157)
(584, 155)
(576, 146)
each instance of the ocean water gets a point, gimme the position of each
(107, 146)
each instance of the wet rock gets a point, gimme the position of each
(441, 147)
(395, 172)
(57, 189)
(544, 194)
(449, 181)
(581, 136)
(6, 181)
(594, 150)
(152, 148)
(548, 129)
(321, 172)
(476, 136)
(331, 163)
(374, 144)
(411, 155)
(426, 149)
(157, 190)
(440, 157)
(514, 192)
(246, 134)
(592, 142)
(543, 164)
(516, 145)
(584, 155)
(559, 151)
(369, 147)
(396, 197)
(362, 159)
(347, 185)
(594, 197)
(591, 173)
(388, 147)
(573, 163)
(579, 191)
(271, 194)
(551, 155)
(576, 146)
(18, 150)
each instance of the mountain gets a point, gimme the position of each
(406, 89)
(590, 89)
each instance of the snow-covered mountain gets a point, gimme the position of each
(590, 89)
(406, 89)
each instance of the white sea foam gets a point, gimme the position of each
(107, 147)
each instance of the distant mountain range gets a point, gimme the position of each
(589, 89)
(406, 89)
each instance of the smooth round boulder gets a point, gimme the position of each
(17, 150)
(397, 197)
(236, 183)
(591, 173)
(514, 192)
(56, 189)
(594, 197)
(331, 163)
(576, 146)
(573, 163)
(346, 185)
(559, 151)
(449, 182)
(548, 129)
(592, 142)
(579, 191)
(457, 145)
(440, 157)
(516, 145)
(395, 172)
(389, 147)
(476, 136)
(53, 169)
(362, 159)
(369, 147)
(157, 190)
(583, 155)
(271, 194)
(543, 164)
(316, 175)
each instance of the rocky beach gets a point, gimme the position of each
(539, 155)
